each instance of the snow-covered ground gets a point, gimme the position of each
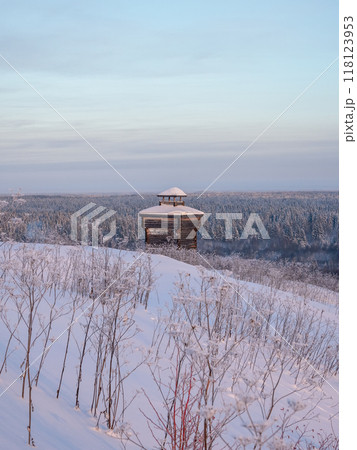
(170, 349)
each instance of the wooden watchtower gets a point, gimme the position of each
(171, 221)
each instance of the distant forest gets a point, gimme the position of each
(303, 226)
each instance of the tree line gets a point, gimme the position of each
(303, 226)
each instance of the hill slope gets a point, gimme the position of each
(155, 352)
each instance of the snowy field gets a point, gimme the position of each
(111, 349)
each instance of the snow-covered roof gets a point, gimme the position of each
(172, 192)
(170, 209)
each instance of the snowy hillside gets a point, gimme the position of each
(107, 349)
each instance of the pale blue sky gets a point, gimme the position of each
(169, 92)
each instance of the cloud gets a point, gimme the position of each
(168, 89)
(271, 166)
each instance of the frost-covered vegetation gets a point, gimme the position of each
(115, 349)
(304, 279)
(303, 226)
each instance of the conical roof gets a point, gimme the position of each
(172, 192)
